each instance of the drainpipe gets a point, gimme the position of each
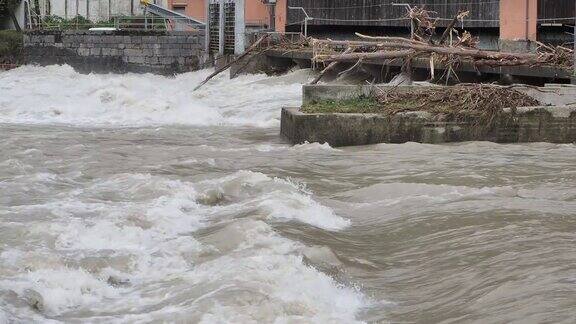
(527, 20)
(272, 8)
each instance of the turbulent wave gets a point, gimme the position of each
(153, 247)
(126, 246)
(58, 94)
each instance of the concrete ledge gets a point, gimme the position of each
(526, 124)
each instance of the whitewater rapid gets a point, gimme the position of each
(59, 95)
(144, 247)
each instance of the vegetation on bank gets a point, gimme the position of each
(57, 22)
(54, 22)
(360, 105)
(11, 43)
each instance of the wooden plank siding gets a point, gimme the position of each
(549, 9)
(483, 13)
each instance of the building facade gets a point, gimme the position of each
(257, 13)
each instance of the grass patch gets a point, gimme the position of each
(361, 105)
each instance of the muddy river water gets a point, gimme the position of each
(132, 199)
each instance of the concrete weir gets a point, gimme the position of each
(553, 122)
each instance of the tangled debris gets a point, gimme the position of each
(476, 100)
(481, 102)
(448, 50)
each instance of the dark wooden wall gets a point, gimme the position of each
(483, 13)
(548, 9)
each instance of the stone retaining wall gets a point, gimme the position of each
(118, 51)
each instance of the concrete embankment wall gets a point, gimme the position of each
(555, 123)
(159, 52)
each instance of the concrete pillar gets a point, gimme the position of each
(239, 28)
(518, 23)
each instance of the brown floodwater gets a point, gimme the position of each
(131, 199)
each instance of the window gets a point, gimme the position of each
(181, 9)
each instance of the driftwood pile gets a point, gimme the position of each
(465, 100)
(449, 49)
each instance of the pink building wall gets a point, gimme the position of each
(518, 19)
(256, 13)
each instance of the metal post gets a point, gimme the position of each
(239, 28)
(221, 26)
(306, 18)
(412, 25)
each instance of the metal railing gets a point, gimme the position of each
(149, 22)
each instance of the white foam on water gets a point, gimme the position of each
(145, 248)
(280, 199)
(59, 95)
(130, 247)
(314, 147)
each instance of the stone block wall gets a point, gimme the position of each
(159, 52)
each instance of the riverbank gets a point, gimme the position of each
(359, 115)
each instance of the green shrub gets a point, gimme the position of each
(57, 22)
(10, 42)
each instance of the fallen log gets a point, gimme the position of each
(390, 39)
(352, 57)
(225, 67)
(459, 51)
